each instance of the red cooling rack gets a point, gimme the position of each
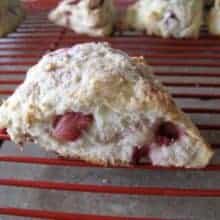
(189, 68)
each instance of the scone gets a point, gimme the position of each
(11, 14)
(166, 18)
(91, 17)
(214, 19)
(98, 104)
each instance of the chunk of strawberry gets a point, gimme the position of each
(140, 153)
(171, 20)
(167, 133)
(69, 127)
(3, 131)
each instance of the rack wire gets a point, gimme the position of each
(189, 68)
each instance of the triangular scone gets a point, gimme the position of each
(11, 14)
(166, 18)
(98, 104)
(214, 19)
(92, 17)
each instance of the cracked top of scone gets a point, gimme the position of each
(98, 104)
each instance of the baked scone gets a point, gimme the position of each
(11, 14)
(166, 18)
(214, 19)
(98, 104)
(91, 17)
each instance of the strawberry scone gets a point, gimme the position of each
(95, 103)
(91, 17)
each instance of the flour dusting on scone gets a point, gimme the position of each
(166, 18)
(92, 17)
(98, 104)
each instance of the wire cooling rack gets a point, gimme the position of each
(37, 185)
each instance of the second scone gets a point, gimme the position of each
(166, 18)
(214, 19)
(91, 17)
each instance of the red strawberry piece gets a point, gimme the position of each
(171, 18)
(140, 153)
(69, 127)
(167, 133)
(3, 131)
